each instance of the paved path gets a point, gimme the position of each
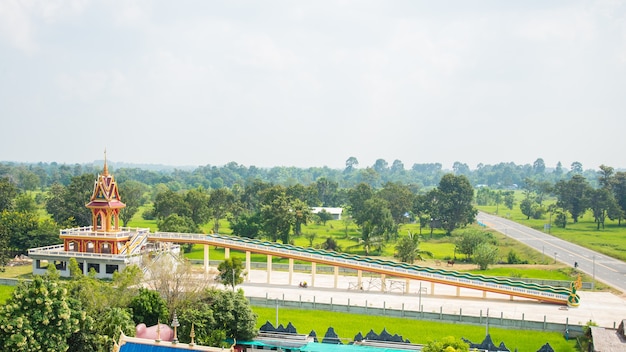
(605, 269)
(603, 308)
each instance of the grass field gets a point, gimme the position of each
(348, 325)
(610, 241)
(5, 293)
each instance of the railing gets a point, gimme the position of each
(88, 230)
(480, 282)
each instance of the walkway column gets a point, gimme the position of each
(313, 270)
(406, 285)
(226, 253)
(290, 270)
(359, 279)
(484, 294)
(85, 269)
(336, 275)
(206, 258)
(432, 288)
(269, 268)
(458, 291)
(383, 285)
(248, 265)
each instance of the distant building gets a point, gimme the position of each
(608, 340)
(335, 212)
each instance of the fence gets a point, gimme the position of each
(507, 323)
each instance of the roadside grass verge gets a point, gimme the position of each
(347, 325)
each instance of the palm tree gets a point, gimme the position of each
(407, 249)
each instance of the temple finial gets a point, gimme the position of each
(106, 167)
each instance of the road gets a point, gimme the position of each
(605, 269)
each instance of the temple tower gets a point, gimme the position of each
(105, 203)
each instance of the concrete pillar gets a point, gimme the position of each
(336, 276)
(226, 253)
(313, 270)
(85, 269)
(359, 279)
(290, 270)
(484, 294)
(269, 268)
(458, 291)
(407, 284)
(432, 288)
(383, 283)
(206, 258)
(248, 266)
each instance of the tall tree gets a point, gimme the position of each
(8, 192)
(221, 201)
(572, 195)
(376, 224)
(602, 204)
(400, 199)
(454, 196)
(351, 164)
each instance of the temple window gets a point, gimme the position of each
(72, 246)
(105, 248)
(90, 247)
(110, 268)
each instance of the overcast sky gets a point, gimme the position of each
(312, 83)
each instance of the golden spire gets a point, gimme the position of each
(106, 168)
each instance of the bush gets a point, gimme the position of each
(513, 258)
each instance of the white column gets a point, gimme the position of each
(336, 275)
(313, 270)
(359, 279)
(269, 268)
(248, 265)
(383, 283)
(226, 253)
(406, 285)
(290, 270)
(206, 258)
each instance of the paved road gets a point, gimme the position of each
(605, 269)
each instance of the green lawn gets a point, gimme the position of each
(348, 325)
(5, 293)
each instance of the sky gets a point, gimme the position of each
(313, 83)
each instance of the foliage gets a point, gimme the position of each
(38, 317)
(220, 202)
(324, 216)
(330, 244)
(446, 344)
(149, 307)
(8, 192)
(230, 272)
(218, 314)
(407, 249)
(513, 258)
(468, 240)
(246, 225)
(572, 195)
(66, 204)
(453, 202)
(485, 254)
(112, 322)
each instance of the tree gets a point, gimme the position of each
(446, 344)
(468, 240)
(132, 193)
(330, 244)
(400, 199)
(174, 279)
(619, 192)
(39, 317)
(169, 202)
(603, 204)
(301, 215)
(572, 195)
(149, 307)
(246, 225)
(407, 249)
(220, 202)
(485, 254)
(526, 206)
(226, 312)
(539, 166)
(8, 192)
(605, 176)
(112, 323)
(277, 217)
(454, 198)
(198, 203)
(376, 224)
(230, 272)
(351, 164)
(324, 216)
